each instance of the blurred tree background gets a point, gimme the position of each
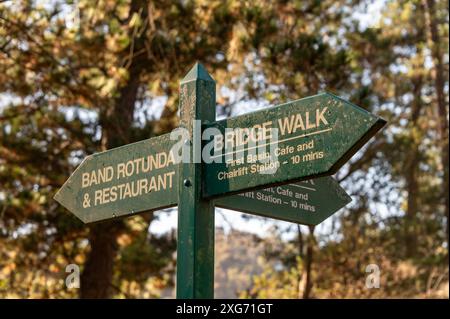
(80, 76)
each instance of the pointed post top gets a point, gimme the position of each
(198, 72)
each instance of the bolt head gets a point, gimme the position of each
(187, 182)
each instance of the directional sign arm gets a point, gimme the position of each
(308, 203)
(126, 180)
(316, 136)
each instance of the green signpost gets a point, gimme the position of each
(316, 135)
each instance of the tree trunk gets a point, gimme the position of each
(301, 255)
(98, 270)
(309, 261)
(439, 83)
(96, 279)
(412, 165)
(116, 121)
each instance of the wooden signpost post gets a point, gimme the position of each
(316, 136)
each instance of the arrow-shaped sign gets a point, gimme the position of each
(308, 202)
(315, 137)
(126, 180)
